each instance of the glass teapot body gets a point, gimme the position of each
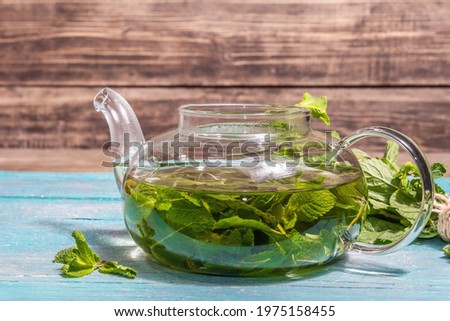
(243, 190)
(246, 189)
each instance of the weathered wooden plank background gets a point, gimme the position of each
(379, 63)
(225, 42)
(53, 117)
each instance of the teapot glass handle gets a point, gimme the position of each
(427, 185)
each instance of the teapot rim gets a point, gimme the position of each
(243, 109)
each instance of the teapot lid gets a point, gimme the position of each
(243, 119)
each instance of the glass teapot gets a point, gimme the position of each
(245, 189)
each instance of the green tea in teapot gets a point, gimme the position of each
(220, 222)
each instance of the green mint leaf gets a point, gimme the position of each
(335, 135)
(308, 206)
(309, 184)
(318, 107)
(80, 260)
(405, 205)
(391, 154)
(272, 258)
(350, 197)
(234, 236)
(113, 267)
(446, 250)
(191, 214)
(65, 256)
(86, 255)
(190, 219)
(360, 154)
(295, 249)
(76, 270)
(429, 231)
(236, 221)
(191, 199)
(138, 211)
(276, 255)
(438, 170)
(164, 206)
(289, 217)
(280, 125)
(266, 202)
(401, 178)
(379, 176)
(238, 205)
(144, 198)
(394, 193)
(376, 231)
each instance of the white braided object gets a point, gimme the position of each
(442, 208)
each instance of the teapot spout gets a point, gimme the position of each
(124, 129)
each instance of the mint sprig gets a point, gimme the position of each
(394, 194)
(80, 261)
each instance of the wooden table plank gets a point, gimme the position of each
(287, 43)
(76, 186)
(35, 228)
(36, 117)
(50, 185)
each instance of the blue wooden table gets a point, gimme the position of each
(39, 211)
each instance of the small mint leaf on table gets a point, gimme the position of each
(65, 256)
(80, 260)
(447, 250)
(86, 255)
(113, 267)
(74, 264)
(318, 107)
